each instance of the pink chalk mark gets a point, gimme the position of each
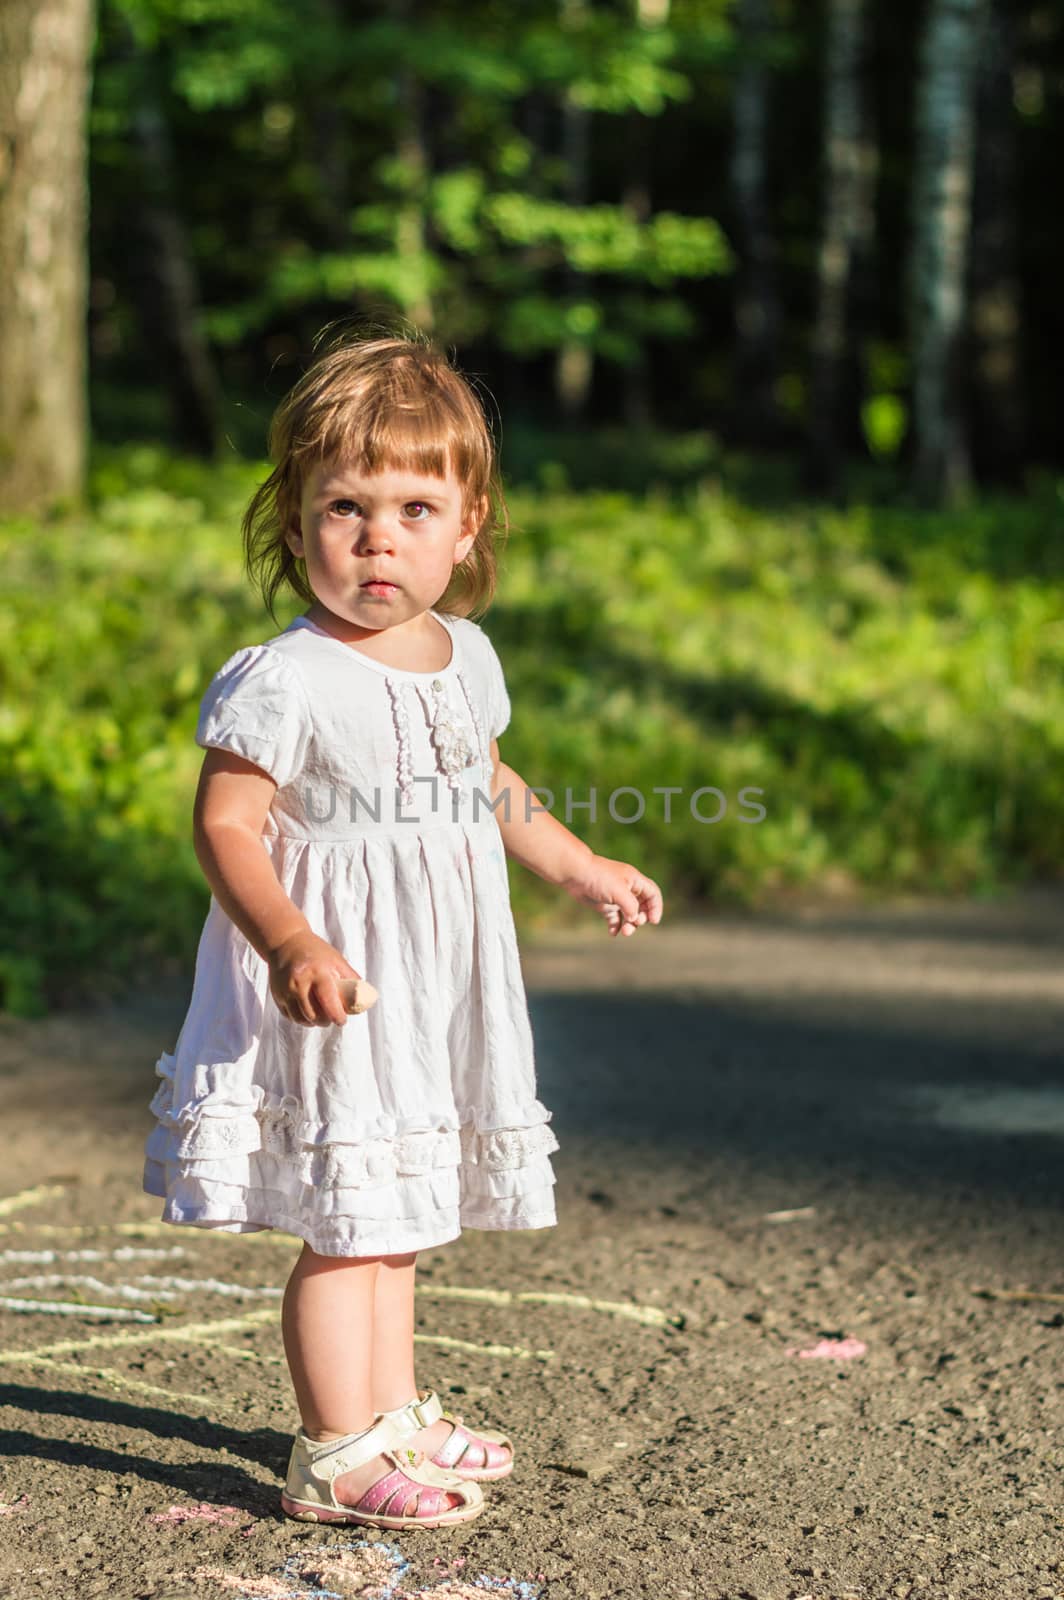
(265, 1588)
(16, 1505)
(348, 1570)
(203, 1512)
(448, 1591)
(831, 1350)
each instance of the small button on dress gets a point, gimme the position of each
(419, 1117)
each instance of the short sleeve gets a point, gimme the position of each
(255, 706)
(498, 699)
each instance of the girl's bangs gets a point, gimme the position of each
(424, 438)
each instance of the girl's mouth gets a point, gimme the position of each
(379, 586)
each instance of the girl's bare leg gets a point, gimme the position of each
(393, 1382)
(327, 1326)
(327, 1323)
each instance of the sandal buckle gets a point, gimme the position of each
(415, 1408)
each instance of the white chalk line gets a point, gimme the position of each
(73, 1308)
(123, 1253)
(168, 1288)
(146, 1229)
(52, 1280)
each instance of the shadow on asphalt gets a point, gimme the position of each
(769, 1087)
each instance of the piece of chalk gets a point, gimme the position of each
(358, 994)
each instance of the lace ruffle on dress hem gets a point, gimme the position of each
(346, 1188)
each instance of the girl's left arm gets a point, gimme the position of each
(623, 895)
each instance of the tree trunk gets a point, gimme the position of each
(574, 363)
(998, 419)
(638, 413)
(167, 283)
(757, 312)
(842, 172)
(331, 144)
(45, 66)
(941, 227)
(412, 149)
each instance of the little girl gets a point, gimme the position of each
(353, 818)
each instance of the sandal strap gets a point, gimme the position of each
(453, 1448)
(327, 1458)
(421, 1412)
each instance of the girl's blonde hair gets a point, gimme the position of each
(389, 403)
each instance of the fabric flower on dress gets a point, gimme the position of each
(457, 736)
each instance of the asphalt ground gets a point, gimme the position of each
(799, 1330)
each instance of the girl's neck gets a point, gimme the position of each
(421, 644)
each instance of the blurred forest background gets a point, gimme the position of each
(763, 301)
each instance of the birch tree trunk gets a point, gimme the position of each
(45, 65)
(941, 224)
(757, 312)
(842, 207)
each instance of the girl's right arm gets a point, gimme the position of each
(230, 809)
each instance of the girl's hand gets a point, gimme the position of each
(623, 895)
(305, 974)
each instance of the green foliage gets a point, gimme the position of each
(892, 682)
(296, 169)
(884, 419)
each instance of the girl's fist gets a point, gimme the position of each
(313, 985)
(624, 896)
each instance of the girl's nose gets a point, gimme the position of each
(377, 534)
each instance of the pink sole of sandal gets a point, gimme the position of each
(303, 1512)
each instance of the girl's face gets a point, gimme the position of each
(401, 527)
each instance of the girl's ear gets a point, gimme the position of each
(477, 516)
(294, 535)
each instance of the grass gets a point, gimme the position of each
(889, 680)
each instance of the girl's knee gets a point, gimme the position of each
(407, 1259)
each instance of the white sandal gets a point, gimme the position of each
(309, 1495)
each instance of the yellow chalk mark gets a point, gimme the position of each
(484, 1349)
(653, 1316)
(445, 1291)
(156, 1335)
(30, 1197)
(206, 1333)
(207, 1338)
(119, 1380)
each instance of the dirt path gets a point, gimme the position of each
(891, 1079)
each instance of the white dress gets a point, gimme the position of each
(419, 1117)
